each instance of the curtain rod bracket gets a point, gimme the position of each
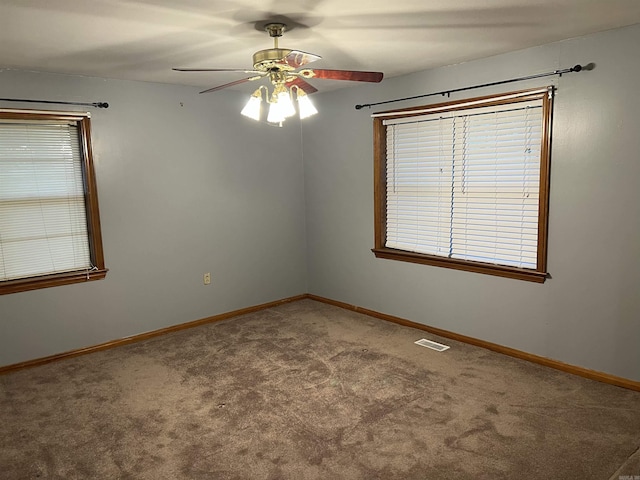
(575, 68)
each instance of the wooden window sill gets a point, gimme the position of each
(457, 264)
(46, 281)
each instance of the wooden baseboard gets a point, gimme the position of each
(144, 336)
(512, 352)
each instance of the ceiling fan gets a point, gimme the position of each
(282, 67)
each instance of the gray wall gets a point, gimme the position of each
(188, 189)
(588, 314)
(183, 190)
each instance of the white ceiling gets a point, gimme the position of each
(144, 39)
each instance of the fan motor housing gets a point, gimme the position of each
(265, 60)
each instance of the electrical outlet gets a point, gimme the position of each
(206, 278)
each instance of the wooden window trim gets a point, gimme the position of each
(538, 275)
(91, 206)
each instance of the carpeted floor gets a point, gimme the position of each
(310, 391)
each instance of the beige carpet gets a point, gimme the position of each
(310, 391)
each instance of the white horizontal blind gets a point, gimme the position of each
(465, 184)
(43, 225)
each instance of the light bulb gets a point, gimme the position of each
(304, 104)
(252, 108)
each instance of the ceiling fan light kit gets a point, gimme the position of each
(280, 66)
(280, 103)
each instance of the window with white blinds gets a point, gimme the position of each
(465, 184)
(45, 225)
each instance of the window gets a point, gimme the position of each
(464, 184)
(49, 221)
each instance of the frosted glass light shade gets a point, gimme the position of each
(286, 105)
(252, 108)
(276, 115)
(304, 104)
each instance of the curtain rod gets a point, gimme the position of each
(575, 68)
(94, 104)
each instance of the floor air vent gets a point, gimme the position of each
(432, 345)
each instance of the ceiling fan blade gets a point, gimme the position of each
(352, 75)
(231, 84)
(296, 58)
(214, 70)
(307, 87)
